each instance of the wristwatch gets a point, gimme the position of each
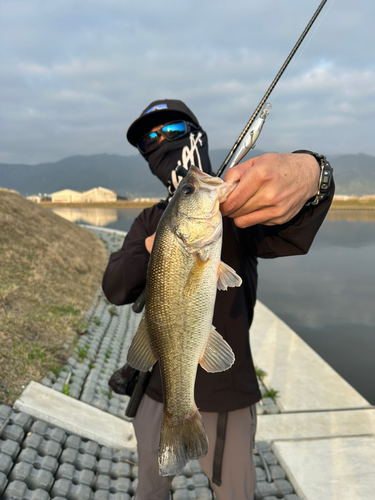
(325, 178)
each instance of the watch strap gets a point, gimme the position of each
(325, 179)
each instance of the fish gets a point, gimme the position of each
(183, 274)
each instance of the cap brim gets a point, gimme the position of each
(146, 122)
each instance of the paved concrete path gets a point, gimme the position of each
(77, 417)
(334, 469)
(304, 379)
(324, 437)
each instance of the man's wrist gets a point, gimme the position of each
(325, 178)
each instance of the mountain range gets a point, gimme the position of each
(130, 176)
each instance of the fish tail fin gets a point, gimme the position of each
(181, 440)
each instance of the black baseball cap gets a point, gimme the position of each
(156, 113)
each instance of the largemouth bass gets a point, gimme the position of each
(176, 329)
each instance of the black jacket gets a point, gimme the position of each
(125, 278)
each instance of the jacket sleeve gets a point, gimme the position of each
(125, 276)
(293, 238)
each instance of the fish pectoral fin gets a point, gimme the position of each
(226, 276)
(140, 355)
(218, 355)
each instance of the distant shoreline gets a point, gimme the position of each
(111, 204)
(350, 207)
(351, 204)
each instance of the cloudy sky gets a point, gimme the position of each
(74, 74)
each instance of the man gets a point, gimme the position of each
(267, 217)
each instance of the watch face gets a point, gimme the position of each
(326, 178)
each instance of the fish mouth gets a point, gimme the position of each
(211, 183)
(226, 190)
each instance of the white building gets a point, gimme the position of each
(34, 197)
(99, 194)
(66, 196)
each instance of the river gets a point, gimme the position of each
(327, 296)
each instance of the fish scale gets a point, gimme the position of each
(184, 332)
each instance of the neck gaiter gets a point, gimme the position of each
(187, 151)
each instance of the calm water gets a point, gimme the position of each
(327, 296)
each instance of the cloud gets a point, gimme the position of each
(328, 78)
(75, 74)
(75, 67)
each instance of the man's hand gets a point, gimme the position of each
(149, 242)
(272, 188)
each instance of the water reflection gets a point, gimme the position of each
(114, 218)
(93, 216)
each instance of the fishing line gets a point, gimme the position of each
(290, 70)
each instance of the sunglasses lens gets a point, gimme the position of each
(171, 131)
(149, 142)
(174, 130)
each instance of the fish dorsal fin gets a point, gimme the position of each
(218, 355)
(226, 276)
(140, 355)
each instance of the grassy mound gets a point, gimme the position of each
(50, 270)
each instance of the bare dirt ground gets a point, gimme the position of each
(50, 270)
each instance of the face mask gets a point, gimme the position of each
(187, 151)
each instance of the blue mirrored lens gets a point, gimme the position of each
(171, 131)
(174, 130)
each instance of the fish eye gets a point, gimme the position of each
(187, 189)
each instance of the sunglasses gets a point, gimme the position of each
(172, 131)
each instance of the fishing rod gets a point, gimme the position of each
(248, 137)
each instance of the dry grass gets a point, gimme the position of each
(50, 270)
(353, 204)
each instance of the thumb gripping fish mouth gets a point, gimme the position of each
(225, 190)
(213, 183)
